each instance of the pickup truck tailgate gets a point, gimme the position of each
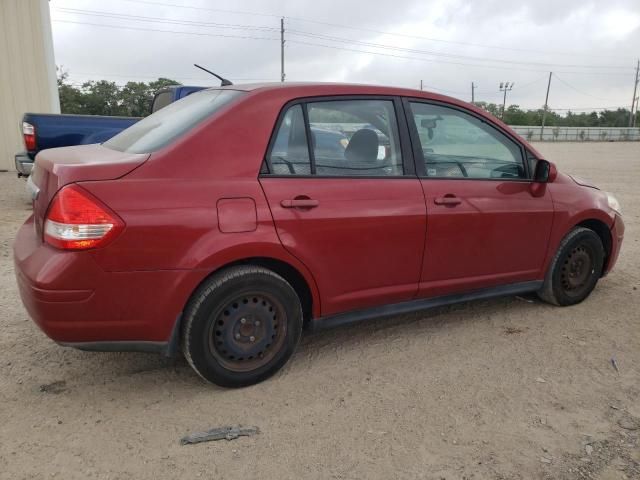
(58, 167)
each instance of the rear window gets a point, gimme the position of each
(164, 126)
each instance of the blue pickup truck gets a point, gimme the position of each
(41, 131)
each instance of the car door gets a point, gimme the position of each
(485, 225)
(353, 212)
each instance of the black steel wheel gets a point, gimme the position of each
(241, 326)
(247, 332)
(575, 269)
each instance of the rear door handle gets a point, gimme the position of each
(449, 199)
(300, 203)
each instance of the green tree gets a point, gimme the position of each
(103, 97)
(70, 97)
(492, 108)
(136, 99)
(161, 83)
(514, 115)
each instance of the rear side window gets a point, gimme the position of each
(338, 138)
(290, 153)
(166, 125)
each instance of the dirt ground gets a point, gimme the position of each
(502, 389)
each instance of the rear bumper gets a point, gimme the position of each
(76, 303)
(24, 164)
(617, 235)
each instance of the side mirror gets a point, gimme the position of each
(545, 172)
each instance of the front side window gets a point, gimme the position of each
(457, 144)
(167, 124)
(341, 138)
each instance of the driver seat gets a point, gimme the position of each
(363, 147)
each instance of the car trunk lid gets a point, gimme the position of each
(58, 167)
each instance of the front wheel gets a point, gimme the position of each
(241, 326)
(575, 269)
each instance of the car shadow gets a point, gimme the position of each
(150, 370)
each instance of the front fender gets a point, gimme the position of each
(574, 205)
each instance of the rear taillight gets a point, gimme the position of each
(29, 134)
(76, 220)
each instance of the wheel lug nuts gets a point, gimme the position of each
(257, 324)
(252, 338)
(243, 321)
(237, 336)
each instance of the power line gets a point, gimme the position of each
(221, 10)
(441, 54)
(141, 18)
(429, 60)
(520, 87)
(578, 90)
(363, 29)
(468, 44)
(164, 75)
(576, 109)
(166, 31)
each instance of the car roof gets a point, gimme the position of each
(295, 90)
(333, 88)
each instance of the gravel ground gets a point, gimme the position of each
(502, 389)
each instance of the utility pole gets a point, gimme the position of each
(420, 84)
(282, 49)
(546, 101)
(473, 96)
(505, 87)
(633, 100)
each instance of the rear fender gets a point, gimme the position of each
(267, 250)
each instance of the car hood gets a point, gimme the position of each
(582, 182)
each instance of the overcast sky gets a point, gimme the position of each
(591, 46)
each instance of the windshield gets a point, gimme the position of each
(164, 126)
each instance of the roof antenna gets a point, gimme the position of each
(223, 81)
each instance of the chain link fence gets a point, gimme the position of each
(578, 134)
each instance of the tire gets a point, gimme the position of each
(575, 268)
(241, 326)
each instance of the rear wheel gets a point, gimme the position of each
(241, 326)
(575, 269)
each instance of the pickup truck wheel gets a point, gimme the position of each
(575, 269)
(241, 326)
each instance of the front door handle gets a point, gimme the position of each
(449, 199)
(300, 203)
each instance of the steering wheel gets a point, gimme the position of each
(506, 171)
(462, 169)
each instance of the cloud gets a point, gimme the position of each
(460, 41)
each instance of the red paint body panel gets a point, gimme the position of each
(497, 234)
(574, 204)
(199, 204)
(363, 242)
(237, 215)
(617, 234)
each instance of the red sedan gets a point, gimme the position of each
(224, 222)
